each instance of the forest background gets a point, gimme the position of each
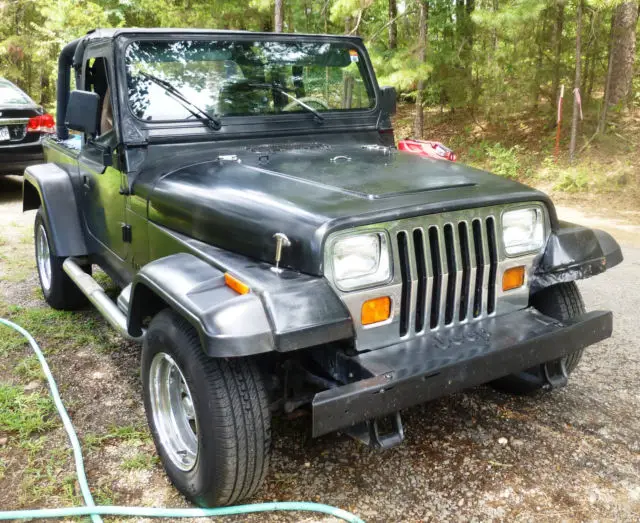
(481, 76)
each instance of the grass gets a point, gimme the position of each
(25, 413)
(36, 465)
(48, 473)
(140, 461)
(137, 435)
(103, 495)
(29, 369)
(59, 328)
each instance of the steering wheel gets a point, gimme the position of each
(308, 100)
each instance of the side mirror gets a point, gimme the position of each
(388, 100)
(82, 112)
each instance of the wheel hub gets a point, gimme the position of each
(173, 411)
(43, 257)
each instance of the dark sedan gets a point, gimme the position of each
(22, 125)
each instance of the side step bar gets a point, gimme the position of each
(96, 295)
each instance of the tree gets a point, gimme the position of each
(623, 51)
(576, 90)
(423, 20)
(393, 28)
(279, 16)
(557, 41)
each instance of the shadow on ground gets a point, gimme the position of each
(10, 188)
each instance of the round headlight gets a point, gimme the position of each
(522, 231)
(361, 261)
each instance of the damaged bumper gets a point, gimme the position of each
(422, 369)
(574, 253)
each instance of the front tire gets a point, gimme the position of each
(209, 417)
(562, 301)
(58, 289)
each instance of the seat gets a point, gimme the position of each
(106, 115)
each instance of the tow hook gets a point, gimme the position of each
(369, 432)
(555, 373)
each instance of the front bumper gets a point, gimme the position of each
(14, 159)
(426, 368)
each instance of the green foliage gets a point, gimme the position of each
(573, 180)
(497, 158)
(24, 413)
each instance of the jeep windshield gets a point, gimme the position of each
(246, 77)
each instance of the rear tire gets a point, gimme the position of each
(562, 301)
(58, 289)
(225, 455)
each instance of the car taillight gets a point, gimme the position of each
(41, 124)
(427, 148)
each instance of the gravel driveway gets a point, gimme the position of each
(573, 454)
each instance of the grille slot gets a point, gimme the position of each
(434, 245)
(493, 265)
(466, 269)
(455, 266)
(451, 269)
(421, 267)
(480, 270)
(405, 272)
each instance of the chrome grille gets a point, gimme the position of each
(447, 270)
(448, 273)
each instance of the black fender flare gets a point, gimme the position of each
(574, 252)
(56, 195)
(228, 324)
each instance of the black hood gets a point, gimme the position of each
(306, 192)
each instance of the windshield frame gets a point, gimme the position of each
(298, 121)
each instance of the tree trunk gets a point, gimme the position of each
(557, 44)
(537, 79)
(393, 27)
(624, 24)
(418, 121)
(494, 31)
(279, 16)
(602, 121)
(576, 84)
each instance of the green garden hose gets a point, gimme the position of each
(95, 511)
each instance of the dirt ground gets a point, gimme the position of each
(570, 455)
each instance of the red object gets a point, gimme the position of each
(427, 148)
(41, 124)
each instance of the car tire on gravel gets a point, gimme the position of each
(562, 302)
(58, 289)
(209, 417)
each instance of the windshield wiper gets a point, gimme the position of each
(213, 122)
(318, 117)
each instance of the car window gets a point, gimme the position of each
(238, 77)
(96, 79)
(11, 95)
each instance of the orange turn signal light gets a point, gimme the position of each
(234, 283)
(376, 310)
(513, 278)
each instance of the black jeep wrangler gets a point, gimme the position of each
(276, 252)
